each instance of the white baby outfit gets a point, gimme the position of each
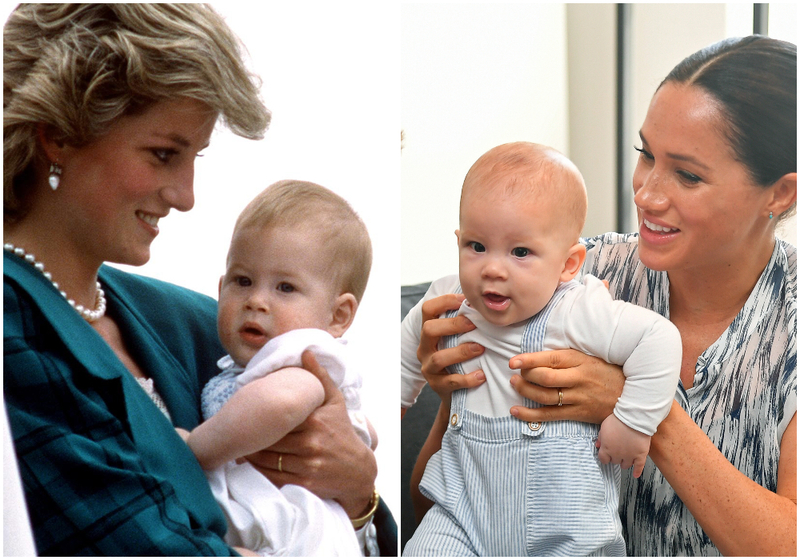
(287, 521)
(503, 487)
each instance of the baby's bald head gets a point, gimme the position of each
(530, 172)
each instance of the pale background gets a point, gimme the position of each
(475, 75)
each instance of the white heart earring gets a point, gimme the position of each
(54, 179)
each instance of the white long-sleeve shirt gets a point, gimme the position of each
(585, 318)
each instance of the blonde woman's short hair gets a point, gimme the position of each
(77, 68)
(343, 234)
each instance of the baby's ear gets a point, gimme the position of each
(344, 311)
(572, 266)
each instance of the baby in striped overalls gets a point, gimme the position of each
(500, 486)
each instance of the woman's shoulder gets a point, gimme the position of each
(784, 275)
(157, 298)
(610, 252)
(790, 254)
(621, 242)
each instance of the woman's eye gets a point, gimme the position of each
(689, 177)
(164, 154)
(477, 247)
(520, 252)
(285, 287)
(645, 154)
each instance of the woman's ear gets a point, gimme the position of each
(784, 194)
(344, 311)
(50, 146)
(572, 266)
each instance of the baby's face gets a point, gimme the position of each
(274, 283)
(511, 253)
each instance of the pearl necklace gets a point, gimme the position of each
(90, 315)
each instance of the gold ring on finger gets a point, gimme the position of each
(280, 461)
(560, 398)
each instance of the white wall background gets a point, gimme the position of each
(473, 76)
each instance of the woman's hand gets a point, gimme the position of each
(323, 454)
(589, 386)
(435, 361)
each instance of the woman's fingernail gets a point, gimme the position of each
(475, 347)
(480, 375)
(514, 411)
(514, 364)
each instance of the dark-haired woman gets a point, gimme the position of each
(717, 170)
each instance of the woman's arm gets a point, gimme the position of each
(256, 416)
(432, 444)
(740, 517)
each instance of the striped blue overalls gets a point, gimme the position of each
(503, 487)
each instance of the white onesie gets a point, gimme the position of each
(287, 521)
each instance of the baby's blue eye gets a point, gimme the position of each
(285, 287)
(520, 252)
(477, 247)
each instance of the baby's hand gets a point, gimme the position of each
(622, 445)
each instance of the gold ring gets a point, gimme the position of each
(280, 460)
(560, 398)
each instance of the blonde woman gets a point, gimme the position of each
(106, 107)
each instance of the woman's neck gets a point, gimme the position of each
(717, 292)
(71, 268)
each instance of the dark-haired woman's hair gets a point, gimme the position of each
(754, 79)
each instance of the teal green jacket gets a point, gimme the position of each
(103, 470)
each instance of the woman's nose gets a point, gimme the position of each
(648, 189)
(179, 194)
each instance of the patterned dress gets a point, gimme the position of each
(743, 398)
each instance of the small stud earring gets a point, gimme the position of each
(770, 215)
(54, 179)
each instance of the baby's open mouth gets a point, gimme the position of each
(253, 334)
(496, 302)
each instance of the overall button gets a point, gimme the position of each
(535, 426)
(454, 419)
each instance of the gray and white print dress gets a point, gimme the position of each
(743, 398)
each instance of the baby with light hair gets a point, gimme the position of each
(297, 269)
(500, 486)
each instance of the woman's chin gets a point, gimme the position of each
(654, 260)
(139, 258)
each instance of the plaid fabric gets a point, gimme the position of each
(103, 471)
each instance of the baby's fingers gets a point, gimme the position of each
(638, 466)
